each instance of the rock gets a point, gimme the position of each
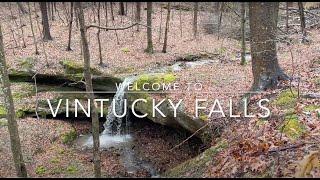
(182, 120)
(196, 167)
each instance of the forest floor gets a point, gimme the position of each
(251, 143)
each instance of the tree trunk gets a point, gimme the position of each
(45, 22)
(98, 36)
(263, 29)
(22, 31)
(138, 13)
(160, 27)
(303, 22)
(106, 12)
(195, 20)
(287, 17)
(220, 18)
(180, 19)
(164, 50)
(70, 27)
(243, 34)
(111, 9)
(32, 30)
(12, 123)
(52, 11)
(21, 8)
(149, 28)
(121, 9)
(89, 89)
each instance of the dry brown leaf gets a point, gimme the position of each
(309, 162)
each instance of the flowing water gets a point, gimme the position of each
(117, 136)
(117, 104)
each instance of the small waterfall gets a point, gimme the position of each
(111, 136)
(112, 121)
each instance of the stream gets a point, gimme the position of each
(117, 135)
(117, 131)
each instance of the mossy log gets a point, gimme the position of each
(100, 83)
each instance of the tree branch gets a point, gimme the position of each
(116, 28)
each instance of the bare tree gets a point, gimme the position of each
(160, 27)
(287, 17)
(42, 42)
(89, 89)
(32, 30)
(303, 22)
(111, 9)
(52, 10)
(220, 17)
(263, 27)
(45, 21)
(180, 19)
(106, 12)
(22, 31)
(98, 37)
(138, 13)
(12, 123)
(121, 9)
(243, 34)
(149, 28)
(195, 20)
(70, 26)
(21, 8)
(164, 49)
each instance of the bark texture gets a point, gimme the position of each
(45, 21)
(149, 28)
(263, 26)
(12, 123)
(89, 89)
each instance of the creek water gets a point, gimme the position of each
(117, 134)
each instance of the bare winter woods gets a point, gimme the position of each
(243, 51)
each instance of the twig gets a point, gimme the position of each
(287, 147)
(117, 28)
(293, 9)
(292, 70)
(189, 137)
(37, 103)
(235, 12)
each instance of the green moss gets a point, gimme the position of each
(61, 151)
(150, 79)
(191, 57)
(125, 50)
(317, 82)
(56, 170)
(55, 160)
(286, 99)
(71, 169)
(69, 137)
(292, 127)
(27, 63)
(124, 70)
(197, 166)
(22, 90)
(3, 122)
(311, 108)
(3, 111)
(72, 67)
(20, 113)
(261, 121)
(147, 107)
(19, 76)
(203, 116)
(40, 170)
